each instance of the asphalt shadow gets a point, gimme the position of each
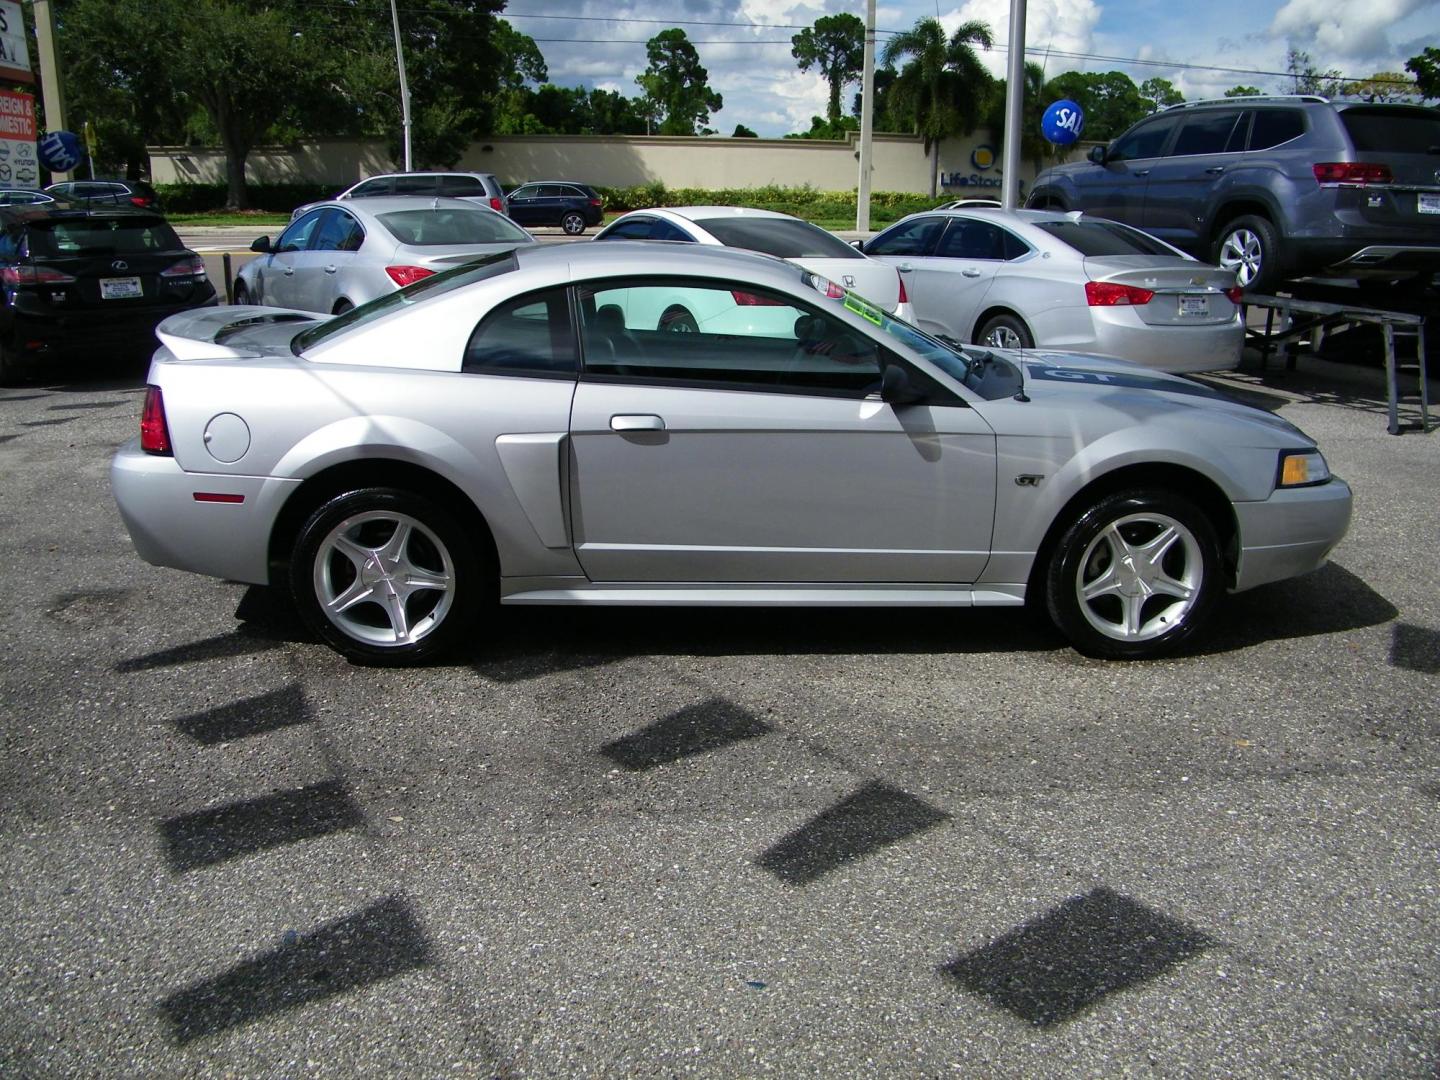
(251, 716)
(213, 836)
(1330, 600)
(695, 729)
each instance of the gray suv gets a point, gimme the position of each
(482, 188)
(1272, 187)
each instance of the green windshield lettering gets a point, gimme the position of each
(864, 309)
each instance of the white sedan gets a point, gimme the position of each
(769, 233)
(1036, 278)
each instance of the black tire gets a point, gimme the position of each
(573, 224)
(242, 294)
(325, 567)
(1006, 326)
(678, 320)
(1250, 246)
(342, 306)
(1125, 616)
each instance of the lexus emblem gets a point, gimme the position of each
(119, 264)
(849, 281)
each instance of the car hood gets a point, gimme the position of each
(1116, 393)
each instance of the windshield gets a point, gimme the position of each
(441, 227)
(101, 236)
(982, 371)
(1394, 130)
(785, 238)
(467, 273)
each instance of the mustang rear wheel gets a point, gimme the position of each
(1135, 576)
(386, 577)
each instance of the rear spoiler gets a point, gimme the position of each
(203, 334)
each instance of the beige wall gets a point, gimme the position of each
(622, 161)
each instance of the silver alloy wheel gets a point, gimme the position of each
(1004, 337)
(573, 224)
(383, 578)
(1140, 578)
(1242, 252)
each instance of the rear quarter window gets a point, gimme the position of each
(1098, 239)
(93, 236)
(1275, 126)
(782, 237)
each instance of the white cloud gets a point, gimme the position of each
(1067, 25)
(1350, 30)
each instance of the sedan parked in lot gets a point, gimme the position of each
(92, 281)
(769, 233)
(337, 256)
(572, 206)
(497, 428)
(1027, 278)
(135, 193)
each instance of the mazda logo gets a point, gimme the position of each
(119, 264)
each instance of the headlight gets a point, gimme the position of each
(1301, 468)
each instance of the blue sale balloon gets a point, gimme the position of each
(60, 151)
(1063, 122)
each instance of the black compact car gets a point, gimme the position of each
(89, 281)
(570, 205)
(136, 193)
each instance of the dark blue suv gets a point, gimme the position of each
(570, 205)
(1272, 187)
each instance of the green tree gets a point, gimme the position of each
(1384, 86)
(943, 87)
(1426, 69)
(1111, 101)
(1034, 147)
(1160, 94)
(612, 113)
(522, 58)
(743, 132)
(836, 45)
(1305, 78)
(677, 83)
(1243, 91)
(821, 128)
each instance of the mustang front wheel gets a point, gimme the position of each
(1134, 576)
(385, 577)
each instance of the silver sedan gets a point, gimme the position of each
(518, 426)
(338, 255)
(1027, 278)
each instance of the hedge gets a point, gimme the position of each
(805, 202)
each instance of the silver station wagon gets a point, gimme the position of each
(517, 427)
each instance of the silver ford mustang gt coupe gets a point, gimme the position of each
(518, 427)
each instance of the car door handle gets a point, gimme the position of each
(1215, 170)
(905, 268)
(288, 270)
(636, 423)
(332, 268)
(970, 271)
(1141, 172)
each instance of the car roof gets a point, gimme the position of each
(58, 211)
(574, 183)
(651, 257)
(703, 213)
(387, 204)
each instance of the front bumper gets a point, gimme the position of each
(1290, 533)
(169, 527)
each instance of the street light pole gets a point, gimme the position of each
(404, 87)
(867, 121)
(1014, 97)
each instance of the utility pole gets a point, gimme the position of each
(51, 93)
(404, 87)
(1014, 97)
(867, 121)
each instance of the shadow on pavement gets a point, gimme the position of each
(1329, 601)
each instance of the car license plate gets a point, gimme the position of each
(1192, 306)
(1429, 204)
(120, 288)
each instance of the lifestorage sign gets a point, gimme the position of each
(14, 51)
(18, 165)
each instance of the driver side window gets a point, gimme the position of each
(908, 238)
(297, 236)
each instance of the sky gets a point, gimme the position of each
(745, 44)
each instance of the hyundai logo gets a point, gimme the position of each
(119, 264)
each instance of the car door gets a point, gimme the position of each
(1180, 183)
(932, 282)
(1117, 189)
(324, 269)
(765, 456)
(278, 281)
(525, 205)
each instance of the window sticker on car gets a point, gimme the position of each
(863, 308)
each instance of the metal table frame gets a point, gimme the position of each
(1315, 317)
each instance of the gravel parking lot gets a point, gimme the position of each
(663, 842)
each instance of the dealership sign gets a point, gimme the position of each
(18, 165)
(14, 50)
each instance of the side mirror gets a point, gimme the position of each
(261, 245)
(897, 389)
(858, 245)
(1097, 155)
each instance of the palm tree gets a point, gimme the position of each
(943, 88)
(1034, 147)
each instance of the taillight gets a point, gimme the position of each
(1110, 294)
(496, 204)
(1351, 172)
(745, 299)
(596, 202)
(407, 275)
(903, 298)
(139, 200)
(191, 266)
(154, 434)
(1236, 294)
(33, 275)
